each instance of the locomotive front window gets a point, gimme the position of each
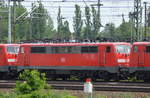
(123, 49)
(13, 49)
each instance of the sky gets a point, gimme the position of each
(111, 11)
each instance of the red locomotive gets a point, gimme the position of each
(139, 60)
(63, 60)
(8, 56)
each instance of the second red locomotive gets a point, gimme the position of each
(140, 61)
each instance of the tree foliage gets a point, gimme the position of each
(63, 31)
(33, 81)
(77, 22)
(109, 30)
(149, 17)
(95, 24)
(87, 33)
(22, 24)
(59, 23)
(38, 26)
(3, 22)
(124, 30)
(42, 24)
(34, 87)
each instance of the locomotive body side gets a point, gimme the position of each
(97, 60)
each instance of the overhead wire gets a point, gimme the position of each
(54, 4)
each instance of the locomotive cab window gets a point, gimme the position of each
(108, 49)
(39, 49)
(13, 49)
(122, 48)
(148, 49)
(22, 49)
(135, 48)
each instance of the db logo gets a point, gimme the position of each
(62, 60)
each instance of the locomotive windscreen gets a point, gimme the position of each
(13, 49)
(123, 48)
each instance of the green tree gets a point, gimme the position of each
(3, 22)
(63, 27)
(60, 24)
(109, 30)
(40, 22)
(149, 17)
(95, 24)
(22, 24)
(77, 22)
(66, 30)
(87, 33)
(2, 2)
(49, 32)
(124, 30)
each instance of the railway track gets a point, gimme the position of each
(97, 86)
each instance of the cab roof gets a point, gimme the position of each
(141, 43)
(75, 44)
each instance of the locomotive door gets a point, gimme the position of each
(1, 56)
(104, 54)
(141, 53)
(25, 55)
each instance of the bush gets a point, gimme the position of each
(33, 86)
(33, 81)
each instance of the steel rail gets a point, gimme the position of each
(97, 86)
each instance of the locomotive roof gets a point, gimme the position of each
(141, 43)
(74, 44)
(9, 44)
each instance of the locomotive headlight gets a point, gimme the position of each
(121, 60)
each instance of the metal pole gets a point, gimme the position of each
(9, 22)
(98, 9)
(89, 95)
(145, 25)
(14, 21)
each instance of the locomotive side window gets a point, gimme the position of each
(39, 49)
(84, 49)
(63, 49)
(76, 49)
(54, 49)
(59, 50)
(108, 49)
(135, 49)
(22, 49)
(148, 49)
(89, 49)
(94, 49)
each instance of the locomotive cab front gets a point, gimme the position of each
(123, 53)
